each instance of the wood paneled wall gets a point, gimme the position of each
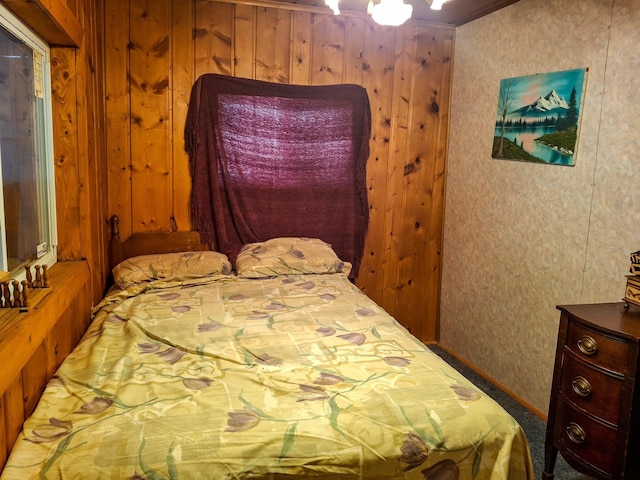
(154, 51)
(33, 344)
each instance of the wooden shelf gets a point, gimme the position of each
(21, 333)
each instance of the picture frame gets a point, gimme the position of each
(538, 117)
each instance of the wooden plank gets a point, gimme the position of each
(77, 320)
(81, 320)
(212, 35)
(34, 379)
(4, 447)
(300, 62)
(409, 249)
(182, 79)
(118, 118)
(92, 125)
(377, 67)
(244, 41)
(150, 64)
(51, 358)
(393, 206)
(273, 27)
(75, 6)
(327, 49)
(420, 182)
(88, 202)
(13, 410)
(66, 159)
(445, 41)
(64, 331)
(54, 344)
(51, 19)
(354, 51)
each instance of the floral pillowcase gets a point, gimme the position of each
(289, 256)
(167, 266)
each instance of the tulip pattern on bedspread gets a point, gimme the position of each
(296, 376)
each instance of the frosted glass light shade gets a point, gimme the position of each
(390, 12)
(437, 4)
(333, 5)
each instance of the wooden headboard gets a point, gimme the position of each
(143, 243)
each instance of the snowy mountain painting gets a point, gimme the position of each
(538, 117)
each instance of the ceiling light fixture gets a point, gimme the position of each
(333, 5)
(436, 4)
(390, 12)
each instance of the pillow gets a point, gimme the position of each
(165, 266)
(288, 256)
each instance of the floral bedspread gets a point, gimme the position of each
(287, 377)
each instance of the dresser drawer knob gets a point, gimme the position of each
(581, 386)
(576, 434)
(587, 345)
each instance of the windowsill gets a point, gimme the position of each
(21, 333)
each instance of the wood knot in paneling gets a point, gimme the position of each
(221, 65)
(199, 32)
(161, 47)
(157, 88)
(412, 167)
(225, 38)
(335, 46)
(160, 87)
(409, 169)
(60, 77)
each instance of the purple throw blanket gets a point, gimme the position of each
(277, 160)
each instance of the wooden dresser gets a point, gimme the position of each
(594, 411)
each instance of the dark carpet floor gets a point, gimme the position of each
(533, 426)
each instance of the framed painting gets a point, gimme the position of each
(538, 117)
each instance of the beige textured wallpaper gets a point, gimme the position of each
(521, 238)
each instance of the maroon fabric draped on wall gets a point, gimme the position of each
(277, 160)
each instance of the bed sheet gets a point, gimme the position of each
(280, 378)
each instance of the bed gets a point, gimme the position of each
(273, 367)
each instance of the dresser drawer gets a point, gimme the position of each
(608, 352)
(585, 438)
(592, 390)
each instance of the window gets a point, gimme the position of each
(27, 210)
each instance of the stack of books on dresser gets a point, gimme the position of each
(632, 292)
